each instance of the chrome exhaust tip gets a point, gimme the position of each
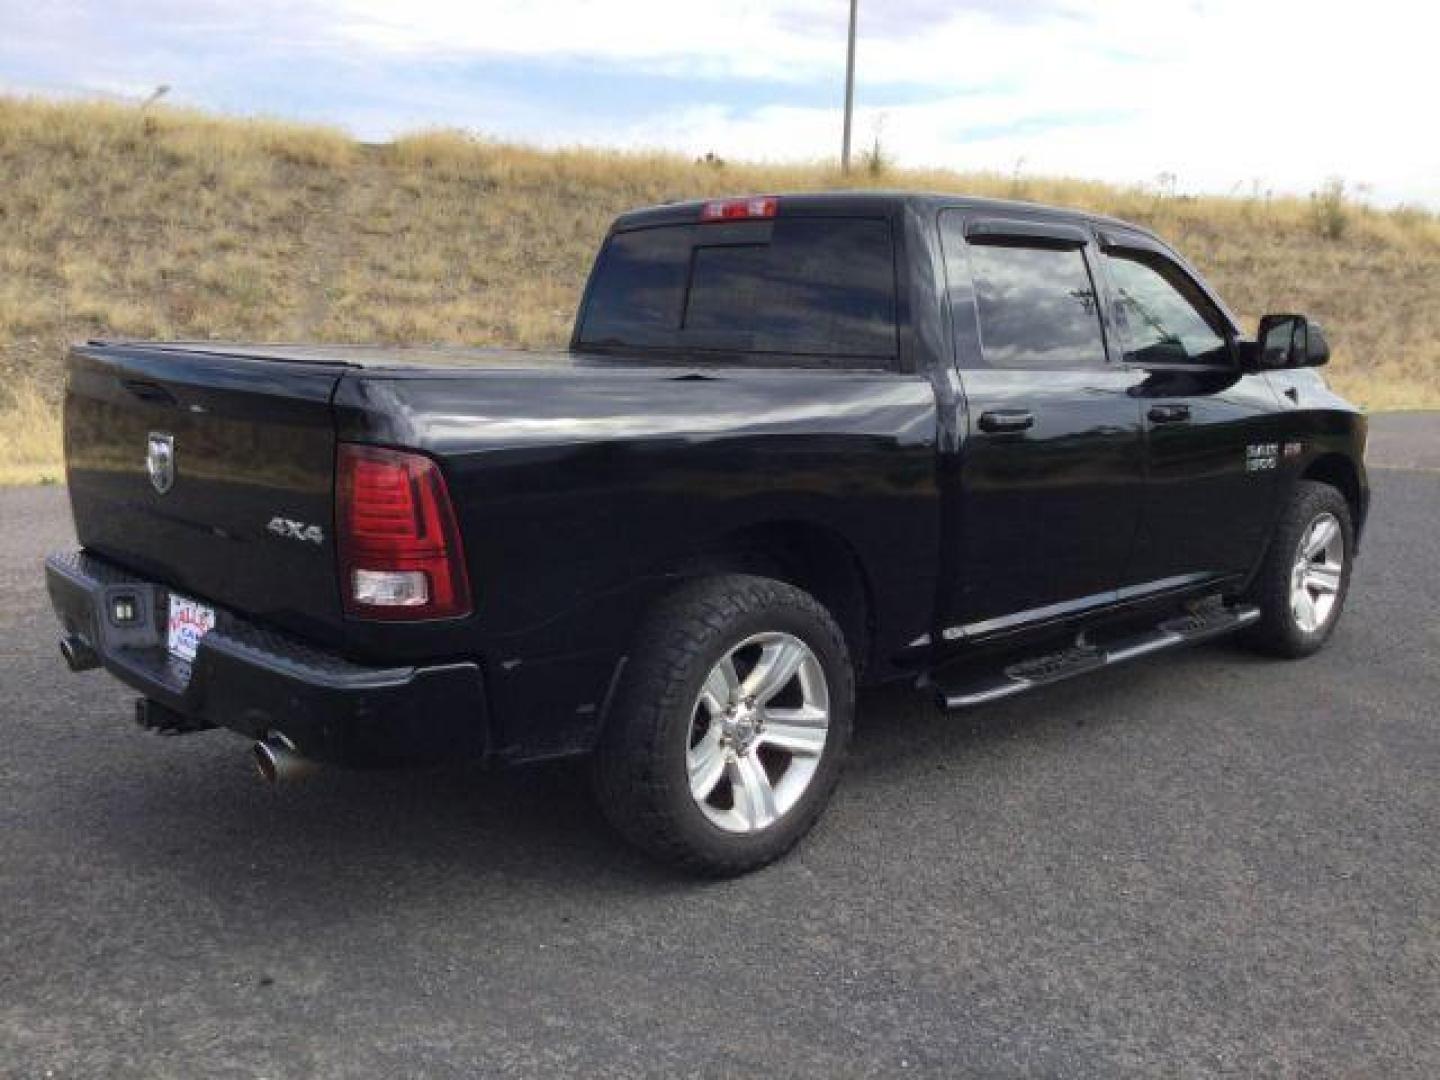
(276, 760)
(78, 655)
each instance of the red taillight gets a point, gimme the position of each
(755, 206)
(400, 554)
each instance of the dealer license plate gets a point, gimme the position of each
(189, 622)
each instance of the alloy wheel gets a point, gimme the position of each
(1317, 574)
(758, 731)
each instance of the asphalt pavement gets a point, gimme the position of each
(1205, 863)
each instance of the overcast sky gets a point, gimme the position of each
(1225, 95)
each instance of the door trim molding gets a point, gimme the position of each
(1020, 620)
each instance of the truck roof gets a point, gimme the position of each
(869, 201)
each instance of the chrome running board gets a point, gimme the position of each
(1044, 670)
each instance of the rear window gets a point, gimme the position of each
(821, 287)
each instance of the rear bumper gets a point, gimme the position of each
(255, 681)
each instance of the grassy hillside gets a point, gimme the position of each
(178, 224)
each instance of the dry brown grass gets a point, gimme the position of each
(30, 438)
(168, 223)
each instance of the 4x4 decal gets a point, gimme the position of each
(296, 530)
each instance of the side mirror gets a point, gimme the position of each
(1317, 349)
(1290, 341)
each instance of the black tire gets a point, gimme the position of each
(640, 765)
(1279, 631)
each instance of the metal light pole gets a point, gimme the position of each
(849, 89)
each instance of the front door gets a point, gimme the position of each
(1042, 514)
(1213, 451)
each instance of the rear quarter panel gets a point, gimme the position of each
(581, 493)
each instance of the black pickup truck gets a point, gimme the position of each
(798, 443)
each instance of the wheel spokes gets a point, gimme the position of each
(751, 791)
(706, 764)
(1320, 537)
(1318, 575)
(1303, 605)
(778, 663)
(721, 688)
(747, 764)
(798, 731)
(1323, 578)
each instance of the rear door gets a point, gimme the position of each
(210, 473)
(1047, 502)
(1213, 451)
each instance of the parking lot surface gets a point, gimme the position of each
(1204, 863)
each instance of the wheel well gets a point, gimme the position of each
(809, 557)
(1339, 472)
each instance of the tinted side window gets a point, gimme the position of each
(1163, 316)
(1037, 307)
(821, 287)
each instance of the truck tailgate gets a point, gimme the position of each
(241, 513)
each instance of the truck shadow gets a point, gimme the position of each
(381, 839)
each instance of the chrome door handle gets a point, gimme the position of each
(1000, 420)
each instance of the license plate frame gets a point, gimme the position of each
(186, 623)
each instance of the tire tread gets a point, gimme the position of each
(636, 791)
(1276, 632)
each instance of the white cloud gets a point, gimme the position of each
(741, 38)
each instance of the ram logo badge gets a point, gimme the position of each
(160, 461)
(296, 530)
